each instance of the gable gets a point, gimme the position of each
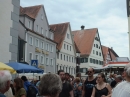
(68, 45)
(97, 48)
(60, 31)
(84, 40)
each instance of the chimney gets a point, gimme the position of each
(82, 27)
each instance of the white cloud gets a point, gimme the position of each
(109, 16)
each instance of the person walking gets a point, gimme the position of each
(67, 90)
(123, 88)
(19, 88)
(89, 83)
(77, 87)
(101, 89)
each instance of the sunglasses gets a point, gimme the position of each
(89, 72)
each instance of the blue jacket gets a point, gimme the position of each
(27, 84)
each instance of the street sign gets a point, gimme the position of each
(34, 63)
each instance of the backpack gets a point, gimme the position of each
(32, 91)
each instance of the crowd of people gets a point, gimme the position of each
(64, 85)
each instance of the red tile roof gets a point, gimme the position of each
(30, 11)
(105, 51)
(84, 40)
(60, 31)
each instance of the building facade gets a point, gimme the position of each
(39, 38)
(109, 55)
(66, 53)
(9, 20)
(88, 43)
(128, 16)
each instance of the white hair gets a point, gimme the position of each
(127, 69)
(4, 77)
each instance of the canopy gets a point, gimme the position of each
(6, 67)
(24, 68)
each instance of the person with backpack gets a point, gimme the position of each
(31, 90)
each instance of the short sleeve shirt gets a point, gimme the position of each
(67, 87)
(122, 90)
(21, 92)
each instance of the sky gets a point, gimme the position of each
(109, 16)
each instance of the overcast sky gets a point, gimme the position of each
(109, 16)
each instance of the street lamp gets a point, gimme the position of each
(77, 62)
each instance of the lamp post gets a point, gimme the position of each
(77, 62)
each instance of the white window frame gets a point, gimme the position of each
(47, 46)
(47, 61)
(51, 48)
(29, 40)
(51, 61)
(29, 24)
(37, 29)
(42, 44)
(31, 56)
(37, 57)
(42, 60)
(42, 31)
(68, 36)
(35, 42)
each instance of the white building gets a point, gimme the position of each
(88, 43)
(9, 19)
(66, 52)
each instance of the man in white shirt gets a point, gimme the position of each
(123, 88)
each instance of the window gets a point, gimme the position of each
(64, 57)
(47, 61)
(70, 48)
(46, 33)
(64, 46)
(94, 61)
(67, 35)
(91, 60)
(81, 60)
(72, 59)
(86, 60)
(57, 55)
(42, 60)
(67, 47)
(99, 54)
(29, 25)
(42, 45)
(36, 42)
(99, 47)
(51, 48)
(51, 62)
(37, 58)
(84, 70)
(30, 56)
(67, 58)
(93, 52)
(47, 47)
(96, 46)
(37, 29)
(61, 56)
(42, 31)
(31, 40)
(96, 52)
(51, 36)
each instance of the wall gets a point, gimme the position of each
(9, 10)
